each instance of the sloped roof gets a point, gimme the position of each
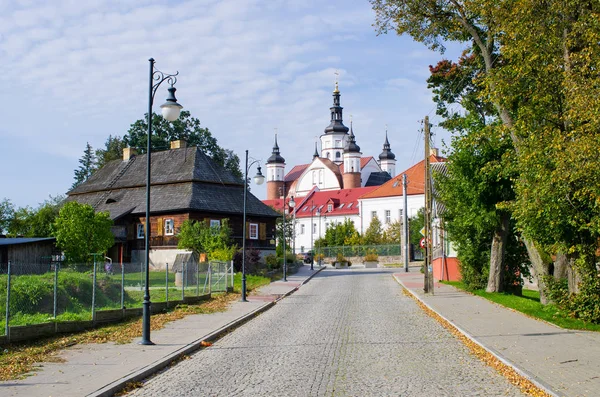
(347, 202)
(415, 176)
(24, 240)
(182, 180)
(298, 170)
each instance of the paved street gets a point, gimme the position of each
(345, 333)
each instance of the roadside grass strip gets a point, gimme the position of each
(524, 384)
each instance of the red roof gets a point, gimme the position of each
(346, 202)
(299, 169)
(415, 177)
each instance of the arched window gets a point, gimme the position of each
(337, 155)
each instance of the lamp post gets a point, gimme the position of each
(170, 111)
(291, 204)
(312, 208)
(258, 179)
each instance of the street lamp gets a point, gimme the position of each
(258, 179)
(170, 111)
(291, 204)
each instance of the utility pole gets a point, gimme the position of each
(428, 282)
(405, 221)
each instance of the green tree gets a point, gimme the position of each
(415, 225)
(7, 210)
(113, 150)
(340, 234)
(186, 127)
(200, 237)
(81, 232)
(393, 233)
(289, 234)
(374, 233)
(86, 169)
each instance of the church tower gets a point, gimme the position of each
(387, 159)
(334, 139)
(275, 173)
(351, 177)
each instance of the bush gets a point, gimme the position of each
(341, 258)
(371, 256)
(272, 263)
(252, 260)
(584, 305)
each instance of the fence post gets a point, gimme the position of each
(167, 284)
(122, 284)
(183, 276)
(55, 287)
(210, 278)
(198, 278)
(232, 275)
(6, 329)
(94, 293)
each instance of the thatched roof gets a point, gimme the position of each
(183, 179)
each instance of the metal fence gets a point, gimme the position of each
(360, 250)
(76, 292)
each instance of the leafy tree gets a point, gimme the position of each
(113, 150)
(393, 233)
(373, 234)
(86, 169)
(186, 127)
(289, 234)
(21, 222)
(415, 225)
(200, 237)
(7, 210)
(80, 232)
(29, 222)
(340, 234)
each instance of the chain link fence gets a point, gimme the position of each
(360, 250)
(36, 294)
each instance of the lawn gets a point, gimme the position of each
(530, 305)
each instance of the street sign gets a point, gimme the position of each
(422, 231)
(422, 242)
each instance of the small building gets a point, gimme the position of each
(186, 184)
(27, 255)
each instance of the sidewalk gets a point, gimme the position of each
(563, 362)
(101, 369)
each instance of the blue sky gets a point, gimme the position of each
(76, 71)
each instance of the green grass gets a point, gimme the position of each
(530, 305)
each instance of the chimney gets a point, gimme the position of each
(178, 144)
(434, 151)
(128, 153)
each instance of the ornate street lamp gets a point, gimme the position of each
(258, 179)
(170, 111)
(318, 213)
(291, 204)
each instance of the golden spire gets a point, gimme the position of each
(336, 90)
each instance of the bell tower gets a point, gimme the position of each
(335, 137)
(275, 173)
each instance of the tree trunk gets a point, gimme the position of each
(573, 276)
(497, 266)
(539, 267)
(561, 265)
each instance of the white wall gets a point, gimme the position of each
(304, 240)
(393, 204)
(324, 178)
(370, 167)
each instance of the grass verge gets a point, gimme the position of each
(530, 305)
(19, 359)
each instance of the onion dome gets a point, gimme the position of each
(351, 146)
(336, 125)
(275, 157)
(387, 152)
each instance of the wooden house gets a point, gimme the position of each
(185, 184)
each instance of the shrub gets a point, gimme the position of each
(252, 260)
(584, 305)
(341, 258)
(271, 261)
(371, 256)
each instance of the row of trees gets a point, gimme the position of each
(523, 169)
(163, 132)
(27, 221)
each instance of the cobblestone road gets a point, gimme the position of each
(345, 333)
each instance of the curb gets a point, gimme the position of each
(152, 368)
(533, 379)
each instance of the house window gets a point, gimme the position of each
(329, 207)
(215, 223)
(314, 177)
(301, 229)
(337, 155)
(341, 205)
(253, 231)
(400, 213)
(169, 227)
(349, 205)
(388, 216)
(140, 230)
(314, 228)
(373, 214)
